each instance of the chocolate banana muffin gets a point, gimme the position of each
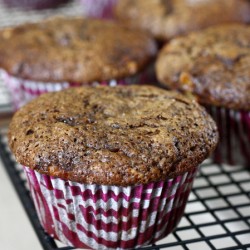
(137, 134)
(129, 152)
(166, 19)
(214, 66)
(61, 52)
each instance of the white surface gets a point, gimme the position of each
(5, 102)
(16, 232)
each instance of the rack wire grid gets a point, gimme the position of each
(217, 214)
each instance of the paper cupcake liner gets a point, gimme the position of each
(109, 217)
(23, 91)
(234, 131)
(98, 9)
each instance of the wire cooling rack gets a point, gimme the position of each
(14, 16)
(217, 215)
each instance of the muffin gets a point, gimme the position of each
(111, 167)
(214, 66)
(61, 53)
(166, 19)
(99, 9)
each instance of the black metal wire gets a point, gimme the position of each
(49, 243)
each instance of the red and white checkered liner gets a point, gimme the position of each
(109, 217)
(98, 9)
(234, 131)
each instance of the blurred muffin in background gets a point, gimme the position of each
(166, 19)
(59, 53)
(213, 65)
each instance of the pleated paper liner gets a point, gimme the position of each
(23, 91)
(234, 131)
(109, 217)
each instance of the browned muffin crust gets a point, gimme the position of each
(76, 50)
(166, 19)
(114, 136)
(212, 64)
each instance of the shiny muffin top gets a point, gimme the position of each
(166, 19)
(212, 64)
(76, 50)
(112, 136)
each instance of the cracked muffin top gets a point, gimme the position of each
(212, 64)
(166, 19)
(74, 50)
(112, 136)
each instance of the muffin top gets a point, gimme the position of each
(112, 136)
(74, 50)
(212, 64)
(166, 19)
